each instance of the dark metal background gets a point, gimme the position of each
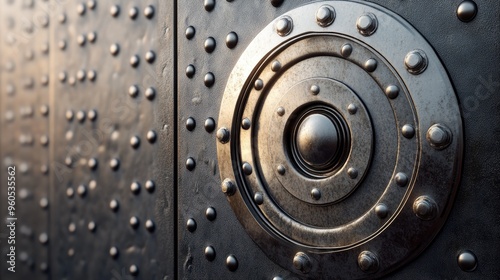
(469, 51)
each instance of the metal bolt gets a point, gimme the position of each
(467, 11)
(368, 261)
(246, 123)
(231, 263)
(275, 66)
(231, 40)
(381, 210)
(258, 198)
(367, 24)
(416, 62)
(425, 208)
(190, 164)
(258, 85)
(370, 65)
(325, 15)
(113, 252)
(352, 173)
(316, 194)
(191, 225)
(392, 91)
(302, 262)
(352, 109)
(228, 187)
(408, 131)
(401, 179)
(346, 50)
(281, 169)
(284, 26)
(467, 261)
(210, 213)
(314, 89)
(439, 136)
(247, 168)
(150, 225)
(210, 253)
(223, 135)
(280, 111)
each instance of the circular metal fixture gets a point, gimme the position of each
(324, 134)
(467, 11)
(467, 261)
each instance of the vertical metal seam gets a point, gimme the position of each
(175, 142)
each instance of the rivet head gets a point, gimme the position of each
(276, 3)
(151, 136)
(190, 164)
(133, 91)
(149, 225)
(80, 9)
(150, 186)
(370, 65)
(80, 116)
(150, 56)
(62, 77)
(91, 226)
(325, 15)
(133, 12)
(401, 179)
(190, 71)
(91, 4)
(223, 135)
(280, 111)
(231, 263)
(228, 187)
(150, 93)
(315, 194)
(209, 125)
(134, 222)
(314, 89)
(80, 75)
(408, 131)
(70, 192)
(302, 262)
(352, 173)
(210, 213)
(425, 208)
(135, 141)
(114, 164)
(352, 109)
(381, 210)
(72, 227)
(81, 190)
(81, 40)
(133, 269)
(43, 238)
(113, 252)
(209, 5)
(92, 163)
(246, 168)
(275, 66)
(44, 203)
(190, 31)
(281, 169)
(191, 225)
(368, 261)
(392, 91)
(114, 205)
(467, 261)
(69, 115)
(209, 79)
(258, 198)
(467, 11)
(246, 123)
(231, 40)
(91, 75)
(209, 45)
(259, 84)
(210, 253)
(416, 62)
(284, 26)
(134, 60)
(114, 10)
(367, 24)
(149, 12)
(135, 187)
(439, 136)
(190, 124)
(91, 36)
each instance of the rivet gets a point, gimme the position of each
(44, 110)
(135, 141)
(223, 135)
(352, 173)
(92, 184)
(278, 278)
(81, 190)
(150, 56)
(210, 253)
(113, 252)
(191, 225)
(325, 15)
(151, 136)
(281, 169)
(209, 45)
(467, 261)
(44, 203)
(228, 187)
(259, 84)
(392, 91)
(11, 89)
(70, 192)
(80, 116)
(370, 65)
(91, 226)
(246, 123)
(133, 91)
(276, 3)
(149, 11)
(44, 80)
(114, 49)
(135, 187)
(280, 111)
(92, 163)
(314, 89)
(209, 125)
(72, 81)
(91, 36)
(190, 71)
(408, 131)
(133, 269)
(467, 11)
(302, 262)
(190, 124)
(315, 194)
(134, 222)
(367, 24)
(91, 4)
(114, 205)
(92, 115)
(150, 186)
(61, 18)
(45, 48)
(80, 39)
(114, 10)
(401, 179)
(80, 75)
(352, 109)
(150, 93)
(114, 164)
(284, 26)
(134, 60)
(133, 12)
(231, 40)
(72, 227)
(190, 31)
(381, 210)
(43, 238)
(439, 136)
(61, 44)
(80, 9)
(209, 79)
(231, 263)
(275, 66)
(416, 62)
(44, 140)
(247, 168)
(150, 225)
(62, 76)
(210, 213)
(368, 261)
(425, 208)
(209, 5)
(190, 164)
(69, 115)
(258, 198)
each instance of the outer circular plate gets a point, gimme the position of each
(388, 188)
